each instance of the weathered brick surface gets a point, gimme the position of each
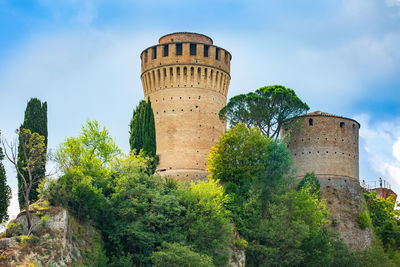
(328, 146)
(187, 92)
(325, 147)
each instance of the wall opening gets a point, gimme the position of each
(178, 49)
(206, 48)
(217, 53)
(154, 52)
(193, 49)
(166, 51)
(310, 122)
(341, 124)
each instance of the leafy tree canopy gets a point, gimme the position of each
(266, 108)
(310, 181)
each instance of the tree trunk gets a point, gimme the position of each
(28, 215)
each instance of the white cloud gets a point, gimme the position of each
(380, 151)
(394, 3)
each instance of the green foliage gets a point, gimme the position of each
(5, 190)
(385, 220)
(143, 133)
(14, 229)
(240, 155)
(206, 220)
(266, 108)
(177, 255)
(374, 256)
(310, 181)
(91, 153)
(363, 220)
(35, 120)
(24, 239)
(136, 211)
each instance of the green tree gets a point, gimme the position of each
(35, 120)
(143, 133)
(310, 181)
(136, 127)
(385, 220)
(33, 148)
(178, 255)
(240, 155)
(5, 190)
(267, 109)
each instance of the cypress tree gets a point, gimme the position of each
(143, 132)
(5, 190)
(35, 120)
(149, 131)
(136, 125)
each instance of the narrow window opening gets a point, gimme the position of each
(155, 52)
(310, 122)
(166, 51)
(206, 48)
(341, 124)
(193, 49)
(217, 53)
(179, 49)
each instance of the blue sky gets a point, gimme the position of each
(82, 57)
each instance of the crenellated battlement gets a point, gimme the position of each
(193, 53)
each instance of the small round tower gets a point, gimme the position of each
(325, 144)
(187, 80)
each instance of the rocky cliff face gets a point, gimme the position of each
(56, 239)
(346, 203)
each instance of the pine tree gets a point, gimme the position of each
(5, 190)
(35, 120)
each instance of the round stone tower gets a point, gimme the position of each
(187, 80)
(327, 145)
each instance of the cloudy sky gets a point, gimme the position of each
(82, 57)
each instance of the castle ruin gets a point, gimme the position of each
(187, 79)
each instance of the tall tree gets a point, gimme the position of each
(136, 126)
(5, 190)
(35, 120)
(266, 108)
(149, 131)
(143, 131)
(32, 146)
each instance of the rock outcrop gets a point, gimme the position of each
(56, 239)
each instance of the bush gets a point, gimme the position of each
(14, 229)
(363, 220)
(177, 255)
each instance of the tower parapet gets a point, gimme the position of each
(187, 79)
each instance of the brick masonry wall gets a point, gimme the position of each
(187, 92)
(328, 147)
